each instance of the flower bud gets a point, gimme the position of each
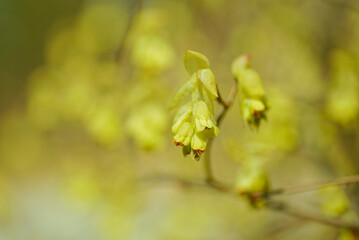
(240, 63)
(253, 100)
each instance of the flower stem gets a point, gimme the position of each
(309, 186)
(226, 105)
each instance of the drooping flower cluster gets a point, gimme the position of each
(253, 102)
(194, 122)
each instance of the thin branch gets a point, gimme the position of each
(177, 180)
(283, 208)
(207, 158)
(270, 204)
(220, 99)
(226, 104)
(187, 182)
(308, 186)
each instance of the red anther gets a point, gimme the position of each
(178, 143)
(256, 112)
(201, 151)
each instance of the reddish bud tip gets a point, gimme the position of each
(256, 112)
(178, 143)
(201, 151)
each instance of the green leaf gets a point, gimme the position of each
(195, 61)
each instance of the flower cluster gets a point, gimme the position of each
(253, 102)
(194, 122)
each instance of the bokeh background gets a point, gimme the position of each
(85, 126)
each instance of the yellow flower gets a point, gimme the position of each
(253, 101)
(194, 122)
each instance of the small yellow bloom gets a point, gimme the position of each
(253, 100)
(194, 122)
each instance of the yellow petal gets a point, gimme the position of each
(198, 143)
(207, 78)
(195, 61)
(250, 84)
(183, 92)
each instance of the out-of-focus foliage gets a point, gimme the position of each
(336, 201)
(343, 98)
(84, 120)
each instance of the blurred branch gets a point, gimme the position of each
(187, 182)
(282, 207)
(270, 204)
(342, 4)
(352, 206)
(177, 180)
(121, 46)
(309, 186)
(226, 105)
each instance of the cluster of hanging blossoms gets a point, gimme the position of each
(253, 101)
(194, 122)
